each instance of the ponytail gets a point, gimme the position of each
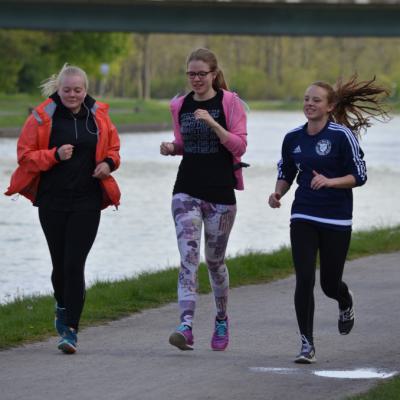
(53, 83)
(358, 102)
(355, 103)
(219, 81)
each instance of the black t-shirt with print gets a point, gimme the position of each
(205, 171)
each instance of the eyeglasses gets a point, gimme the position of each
(201, 74)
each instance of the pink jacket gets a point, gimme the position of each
(236, 119)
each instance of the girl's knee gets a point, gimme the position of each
(214, 265)
(329, 291)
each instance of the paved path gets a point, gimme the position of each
(131, 358)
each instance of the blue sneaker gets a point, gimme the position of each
(307, 352)
(346, 318)
(59, 320)
(68, 341)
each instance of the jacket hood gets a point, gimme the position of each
(89, 101)
(45, 111)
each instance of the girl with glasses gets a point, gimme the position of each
(210, 134)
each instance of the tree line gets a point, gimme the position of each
(153, 65)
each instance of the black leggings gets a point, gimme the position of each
(306, 239)
(70, 236)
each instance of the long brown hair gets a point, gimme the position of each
(355, 103)
(210, 59)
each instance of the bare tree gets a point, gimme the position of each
(144, 70)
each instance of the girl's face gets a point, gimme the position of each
(315, 105)
(72, 92)
(200, 78)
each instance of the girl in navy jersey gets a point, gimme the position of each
(325, 158)
(210, 134)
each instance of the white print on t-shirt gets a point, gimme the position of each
(297, 150)
(197, 136)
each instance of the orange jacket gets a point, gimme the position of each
(34, 155)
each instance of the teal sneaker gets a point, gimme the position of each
(182, 337)
(59, 320)
(220, 338)
(68, 341)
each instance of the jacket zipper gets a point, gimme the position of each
(76, 128)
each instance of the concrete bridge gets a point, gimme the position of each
(246, 17)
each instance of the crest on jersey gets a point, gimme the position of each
(323, 147)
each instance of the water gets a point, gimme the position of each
(140, 236)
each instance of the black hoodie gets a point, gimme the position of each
(69, 185)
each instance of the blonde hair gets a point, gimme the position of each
(53, 83)
(210, 59)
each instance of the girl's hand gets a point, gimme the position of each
(101, 171)
(205, 116)
(167, 148)
(273, 200)
(65, 151)
(319, 181)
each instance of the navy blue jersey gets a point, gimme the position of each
(334, 152)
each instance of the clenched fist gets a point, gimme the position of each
(65, 151)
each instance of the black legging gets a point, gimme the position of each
(306, 239)
(70, 236)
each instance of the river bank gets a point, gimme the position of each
(128, 115)
(13, 132)
(30, 318)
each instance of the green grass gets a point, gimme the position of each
(15, 108)
(134, 111)
(30, 318)
(389, 390)
(18, 103)
(12, 121)
(378, 240)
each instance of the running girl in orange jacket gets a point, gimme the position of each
(67, 150)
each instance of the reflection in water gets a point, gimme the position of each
(140, 235)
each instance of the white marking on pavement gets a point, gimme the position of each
(362, 373)
(367, 373)
(275, 370)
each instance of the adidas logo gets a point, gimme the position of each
(297, 150)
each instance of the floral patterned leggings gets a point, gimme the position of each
(189, 213)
